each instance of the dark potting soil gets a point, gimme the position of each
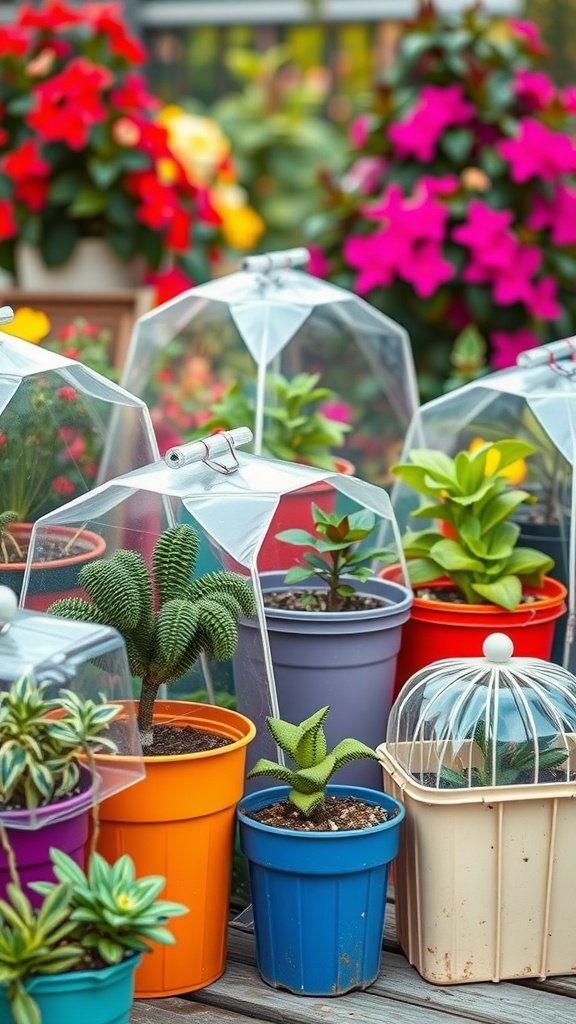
(334, 814)
(171, 739)
(455, 597)
(316, 601)
(429, 780)
(46, 550)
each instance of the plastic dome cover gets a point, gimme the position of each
(235, 500)
(89, 660)
(490, 721)
(534, 401)
(270, 318)
(63, 428)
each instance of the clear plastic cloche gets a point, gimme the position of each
(273, 318)
(495, 720)
(236, 502)
(534, 401)
(63, 429)
(90, 661)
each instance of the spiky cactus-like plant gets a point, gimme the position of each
(166, 617)
(306, 745)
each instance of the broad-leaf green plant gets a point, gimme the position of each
(42, 738)
(295, 427)
(473, 494)
(315, 765)
(505, 763)
(106, 912)
(337, 555)
(167, 618)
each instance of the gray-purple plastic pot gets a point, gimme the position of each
(344, 659)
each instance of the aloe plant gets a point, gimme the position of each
(306, 745)
(505, 763)
(106, 910)
(166, 617)
(39, 749)
(336, 552)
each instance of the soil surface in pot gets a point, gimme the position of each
(523, 779)
(334, 814)
(317, 601)
(172, 739)
(47, 550)
(455, 597)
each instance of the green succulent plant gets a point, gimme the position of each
(336, 552)
(295, 428)
(106, 911)
(7, 539)
(306, 745)
(166, 617)
(505, 763)
(474, 494)
(41, 740)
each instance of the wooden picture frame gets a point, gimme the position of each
(115, 311)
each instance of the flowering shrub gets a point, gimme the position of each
(83, 151)
(459, 203)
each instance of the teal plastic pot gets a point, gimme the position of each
(319, 898)
(90, 997)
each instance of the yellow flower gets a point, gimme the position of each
(515, 473)
(241, 225)
(28, 324)
(198, 143)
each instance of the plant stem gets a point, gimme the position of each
(146, 710)
(10, 856)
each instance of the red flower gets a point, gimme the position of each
(32, 192)
(8, 225)
(67, 105)
(107, 18)
(52, 16)
(62, 486)
(132, 94)
(178, 237)
(67, 394)
(25, 161)
(14, 42)
(169, 283)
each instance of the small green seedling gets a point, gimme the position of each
(336, 553)
(505, 763)
(306, 745)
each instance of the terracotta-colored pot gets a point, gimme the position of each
(50, 581)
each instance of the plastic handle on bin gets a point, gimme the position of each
(8, 607)
(266, 262)
(6, 314)
(542, 354)
(210, 448)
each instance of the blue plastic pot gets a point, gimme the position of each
(319, 898)
(92, 997)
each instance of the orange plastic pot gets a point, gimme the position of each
(440, 629)
(180, 822)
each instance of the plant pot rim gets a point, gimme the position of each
(474, 794)
(264, 797)
(185, 710)
(550, 594)
(97, 547)
(96, 976)
(402, 593)
(76, 803)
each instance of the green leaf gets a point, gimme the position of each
(88, 202)
(457, 144)
(423, 570)
(103, 172)
(297, 537)
(57, 244)
(305, 802)
(505, 592)
(452, 557)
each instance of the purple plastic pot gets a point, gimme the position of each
(68, 832)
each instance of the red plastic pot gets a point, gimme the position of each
(440, 629)
(50, 581)
(295, 512)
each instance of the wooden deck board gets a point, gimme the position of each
(399, 995)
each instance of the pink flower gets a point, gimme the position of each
(364, 175)
(538, 152)
(543, 301)
(563, 215)
(318, 265)
(67, 394)
(507, 346)
(514, 282)
(539, 216)
(444, 186)
(359, 130)
(62, 486)
(338, 411)
(530, 34)
(568, 98)
(377, 257)
(420, 216)
(437, 107)
(428, 269)
(535, 87)
(484, 226)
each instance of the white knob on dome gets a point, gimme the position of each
(8, 607)
(498, 647)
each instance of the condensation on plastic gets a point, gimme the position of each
(512, 701)
(534, 401)
(91, 661)
(271, 317)
(120, 421)
(231, 496)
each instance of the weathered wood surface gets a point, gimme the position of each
(399, 995)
